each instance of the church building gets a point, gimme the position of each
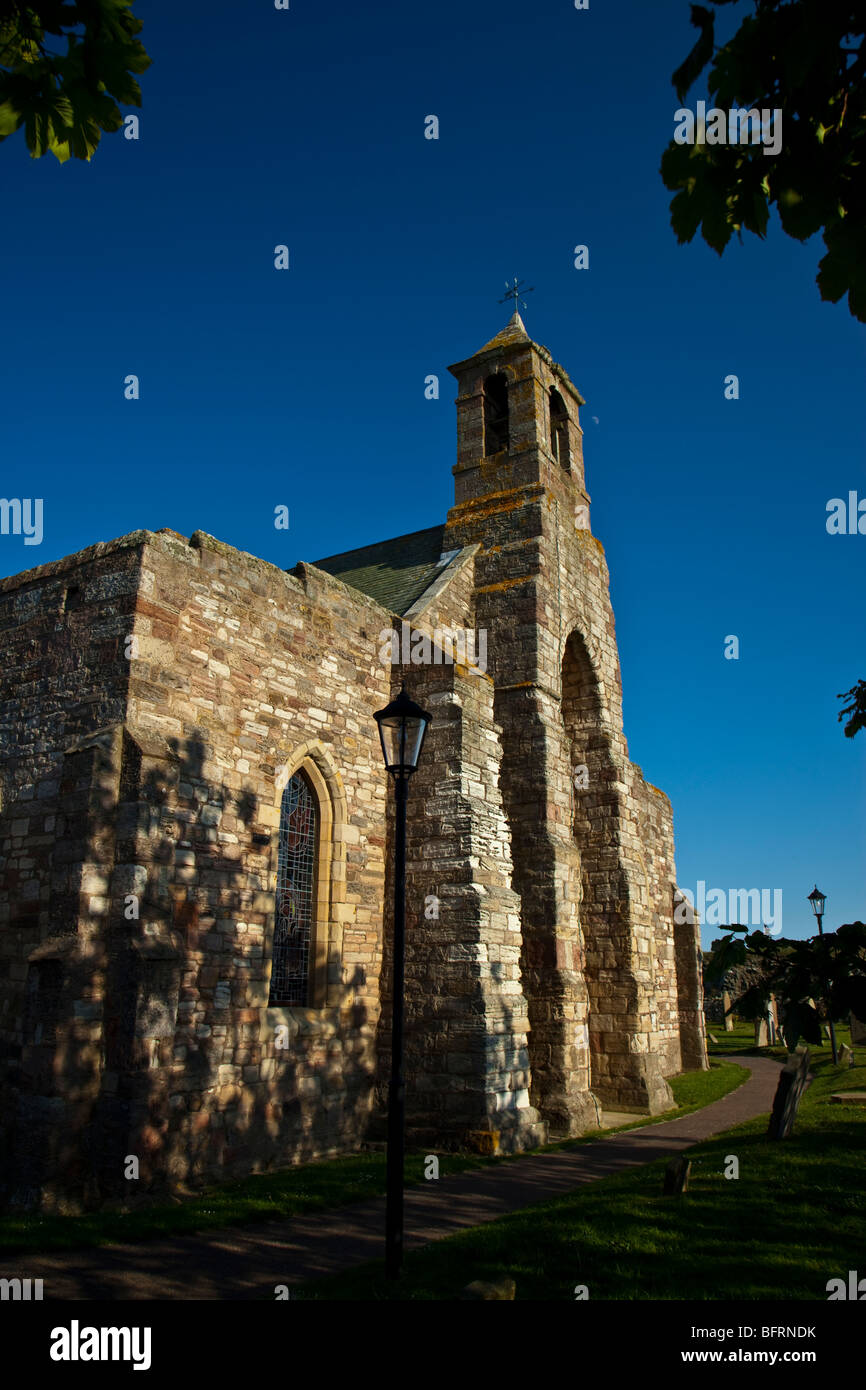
(196, 837)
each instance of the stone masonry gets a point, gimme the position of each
(157, 694)
(612, 1002)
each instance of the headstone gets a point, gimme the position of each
(726, 1004)
(848, 1098)
(677, 1177)
(482, 1288)
(761, 1037)
(773, 1020)
(793, 1081)
(858, 1030)
(846, 1056)
(826, 1030)
(713, 1039)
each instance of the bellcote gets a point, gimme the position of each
(517, 419)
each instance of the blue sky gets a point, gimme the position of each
(306, 387)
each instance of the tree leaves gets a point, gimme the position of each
(727, 953)
(850, 996)
(830, 969)
(801, 1021)
(691, 69)
(753, 1003)
(855, 712)
(805, 60)
(66, 101)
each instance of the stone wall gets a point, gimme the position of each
(239, 673)
(467, 1061)
(677, 966)
(65, 679)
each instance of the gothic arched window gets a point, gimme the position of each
(559, 428)
(495, 414)
(295, 925)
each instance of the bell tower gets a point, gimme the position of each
(592, 844)
(517, 421)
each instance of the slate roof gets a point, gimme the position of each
(395, 573)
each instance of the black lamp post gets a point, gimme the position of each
(818, 899)
(402, 726)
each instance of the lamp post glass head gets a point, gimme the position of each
(817, 899)
(402, 726)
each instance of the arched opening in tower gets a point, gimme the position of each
(495, 414)
(559, 429)
(594, 826)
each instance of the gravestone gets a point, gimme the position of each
(726, 1004)
(858, 1030)
(846, 1056)
(793, 1081)
(773, 1020)
(761, 1036)
(677, 1177)
(482, 1288)
(713, 1039)
(826, 1030)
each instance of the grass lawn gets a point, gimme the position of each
(793, 1219)
(265, 1197)
(291, 1191)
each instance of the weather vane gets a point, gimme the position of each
(515, 292)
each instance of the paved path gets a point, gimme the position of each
(246, 1262)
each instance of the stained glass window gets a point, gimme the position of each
(296, 886)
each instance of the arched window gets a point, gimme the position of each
(295, 924)
(495, 414)
(559, 428)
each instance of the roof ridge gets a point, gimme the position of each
(375, 545)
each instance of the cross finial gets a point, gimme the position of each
(515, 292)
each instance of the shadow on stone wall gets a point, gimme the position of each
(149, 1046)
